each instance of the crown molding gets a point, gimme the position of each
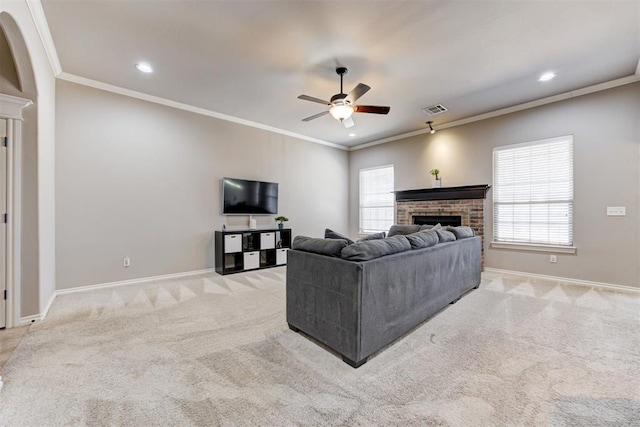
(186, 107)
(37, 13)
(42, 27)
(11, 106)
(520, 107)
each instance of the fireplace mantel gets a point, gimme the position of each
(443, 193)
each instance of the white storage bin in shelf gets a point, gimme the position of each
(267, 240)
(232, 243)
(281, 256)
(251, 260)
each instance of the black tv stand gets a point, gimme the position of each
(245, 250)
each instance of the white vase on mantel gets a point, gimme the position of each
(436, 183)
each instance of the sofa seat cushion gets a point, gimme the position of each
(397, 230)
(371, 249)
(462, 232)
(423, 239)
(445, 236)
(330, 247)
(330, 234)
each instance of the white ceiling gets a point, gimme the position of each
(251, 59)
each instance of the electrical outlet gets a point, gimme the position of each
(553, 259)
(126, 261)
(616, 211)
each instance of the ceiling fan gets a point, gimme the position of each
(342, 105)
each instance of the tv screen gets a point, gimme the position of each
(244, 197)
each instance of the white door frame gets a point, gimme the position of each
(11, 110)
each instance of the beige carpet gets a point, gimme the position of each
(215, 350)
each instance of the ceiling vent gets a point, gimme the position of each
(435, 109)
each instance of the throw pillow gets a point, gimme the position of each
(396, 230)
(371, 249)
(445, 236)
(462, 232)
(430, 227)
(330, 247)
(374, 236)
(423, 239)
(330, 234)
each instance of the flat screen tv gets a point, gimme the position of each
(244, 197)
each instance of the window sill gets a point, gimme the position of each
(534, 248)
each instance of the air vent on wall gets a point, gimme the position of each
(435, 109)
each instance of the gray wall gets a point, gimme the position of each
(142, 180)
(606, 129)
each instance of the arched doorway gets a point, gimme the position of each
(18, 170)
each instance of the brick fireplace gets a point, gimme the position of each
(444, 205)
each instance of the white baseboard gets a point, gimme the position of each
(564, 280)
(27, 320)
(48, 306)
(133, 281)
(42, 316)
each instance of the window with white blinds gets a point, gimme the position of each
(533, 192)
(376, 199)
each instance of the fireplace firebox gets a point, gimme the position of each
(452, 220)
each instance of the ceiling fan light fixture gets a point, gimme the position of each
(343, 105)
(431, 129)
(341, 111)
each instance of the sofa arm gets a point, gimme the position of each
(323, 298)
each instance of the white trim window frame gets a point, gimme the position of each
(533, 196)
(377, 200)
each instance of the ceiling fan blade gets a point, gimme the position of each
(315, 116)
(312, 99)
(348, 122)
(371, 109)
(357, 92)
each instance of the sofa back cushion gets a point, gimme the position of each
(430, 227)
(445, 236)
(371, 249)
(462, 232)
(423, 239)
(330, 234)
(397, 230)
(330, 247)
(374, 236)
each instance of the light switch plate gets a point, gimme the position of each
(616, 211)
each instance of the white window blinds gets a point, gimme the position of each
(533, 192)
(376, 199)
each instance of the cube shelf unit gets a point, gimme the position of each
(244, 250)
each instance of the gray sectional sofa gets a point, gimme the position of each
(359, 305)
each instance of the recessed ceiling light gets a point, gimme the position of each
(144, 67)
(545, 77)
(352, 135)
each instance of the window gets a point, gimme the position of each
(533, 193)
(376, 199)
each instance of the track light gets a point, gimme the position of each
(431, 129)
